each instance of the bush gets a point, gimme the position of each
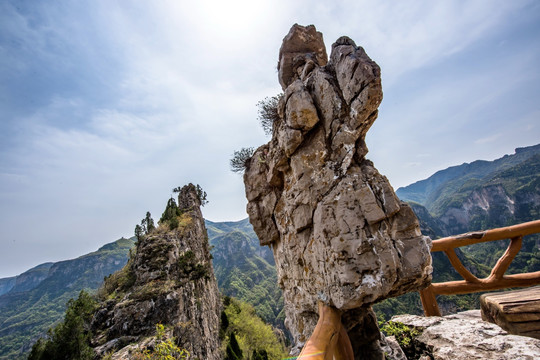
(240, 158)
(248, 333)
(188, 266)
(118, 282)
(233, 351)
(403, 334)
(165, 349)
(268, 112)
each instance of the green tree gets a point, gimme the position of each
(147, 224)
(224, 321)
(233, 349)
(170, 215)
(71, 338)
(139, 232)
(250, 332)
(165, 349)
(259, 355)
(202, 195)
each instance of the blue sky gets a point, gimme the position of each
(106, 106)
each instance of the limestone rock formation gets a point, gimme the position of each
(169, 280)
(465, 336)
(338, 232)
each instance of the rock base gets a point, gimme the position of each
(466, 336)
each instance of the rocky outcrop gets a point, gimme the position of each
(465, 336)
(486, 202)
(170, 281)
(338, 232)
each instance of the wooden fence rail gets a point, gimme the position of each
(496, 280)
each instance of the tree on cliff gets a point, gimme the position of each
(240, 158)
(200, 193)
(71, 338)
(139, 232)
(268, 112)
(233, 349)
(147, 224)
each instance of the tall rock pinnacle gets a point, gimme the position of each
(169, 280)
(338, 232)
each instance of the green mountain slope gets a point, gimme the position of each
(33, 301)
(245, 270)
(38, 298)
(448, 182)
(483, 194)
(471, 197)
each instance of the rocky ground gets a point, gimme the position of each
(461, 336)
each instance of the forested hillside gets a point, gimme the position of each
(38, 298)
(246, 270)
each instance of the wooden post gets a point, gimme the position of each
(329, 339)
(429, 302)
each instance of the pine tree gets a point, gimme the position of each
(139, 232)
(233, 349)
(149, 222)
(70, 339)
(259, 355)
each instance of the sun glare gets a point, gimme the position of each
(229, 18)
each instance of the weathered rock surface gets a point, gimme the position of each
(173, 284)
(391, 348)
(465, 336)
(338, 232)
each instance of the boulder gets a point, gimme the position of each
(338, 231)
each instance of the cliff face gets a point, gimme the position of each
(338, 232)
(169, 280)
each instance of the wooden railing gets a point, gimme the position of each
(496, 280)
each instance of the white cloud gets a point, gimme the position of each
(488, 139)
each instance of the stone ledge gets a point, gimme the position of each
(466, 336)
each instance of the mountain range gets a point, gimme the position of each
(470, 197)
(475, 196)
(33, 301)
(479, 195)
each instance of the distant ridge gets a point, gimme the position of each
(34, 300)
(434, 191)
